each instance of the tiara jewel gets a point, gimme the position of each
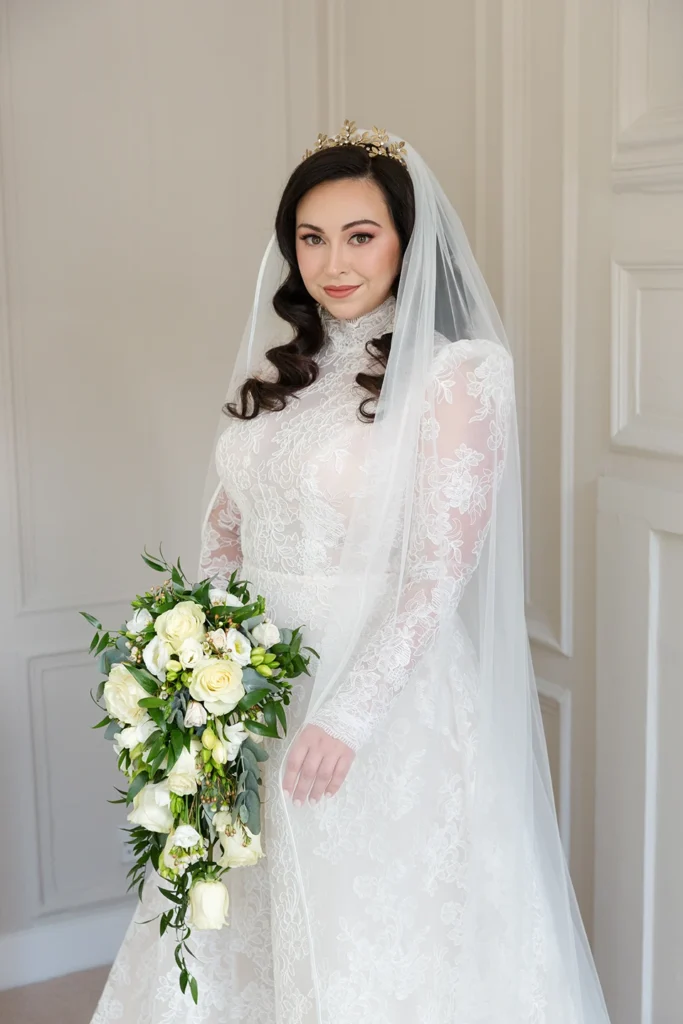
(375, 142)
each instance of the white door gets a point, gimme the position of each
(639, 814)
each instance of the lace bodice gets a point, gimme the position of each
(289, 477)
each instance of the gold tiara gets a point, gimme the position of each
(375, 142)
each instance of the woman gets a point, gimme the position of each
(369, 488)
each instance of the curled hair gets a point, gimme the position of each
(295, 361)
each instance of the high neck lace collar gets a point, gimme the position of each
(353, 334)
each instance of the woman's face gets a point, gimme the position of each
(345, 238)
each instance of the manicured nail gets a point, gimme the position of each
(297, 802)
(313, 801)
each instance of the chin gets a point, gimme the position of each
(348, 309)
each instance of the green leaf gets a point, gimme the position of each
(92, 620)
(194, 990)
(177, 743)
(152, 702)
(172, 896)
(312, 650)
(255, 697)
(153, 563)
(136, 785)
(100, 689)
(104, 642)
(93, 643)
(183, 981)
(280, 712)
(105, 721)
(145, 678)
(261, 728)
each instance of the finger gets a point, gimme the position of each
(322, 779)
(295, 760)
(309, 770)
(339, 774)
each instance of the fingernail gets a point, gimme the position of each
(297, 802)
(313, 801)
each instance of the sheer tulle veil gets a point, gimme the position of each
(513, 871)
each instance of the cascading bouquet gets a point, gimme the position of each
(195, 680)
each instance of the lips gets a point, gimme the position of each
(340, 293)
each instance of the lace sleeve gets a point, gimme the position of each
(221, 551)
(463, 441)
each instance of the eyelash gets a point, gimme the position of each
(358, 234)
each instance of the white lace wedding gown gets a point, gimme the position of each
(389, 951)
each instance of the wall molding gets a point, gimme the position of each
(630, 428)
(557, 700)
(557, 635)
(647, 142)
(54, 948)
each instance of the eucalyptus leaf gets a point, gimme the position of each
(112, 729)
(253, 805)
(255, 620)
(255, 749)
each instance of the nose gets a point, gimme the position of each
(337, 258)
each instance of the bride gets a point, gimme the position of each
(368, 485)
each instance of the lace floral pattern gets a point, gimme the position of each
(386, 897)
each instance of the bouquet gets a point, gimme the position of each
(195, 680)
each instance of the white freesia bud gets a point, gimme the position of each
(185, 621)
(219, 752)
(140, 621)
(195, 715)
(156, 657)
(191, 653)
(122, 693)
(218, 684)
(152, 808)
(134, 734)
(241, 849)
(266, 634)
(182, 778)
(209, 903)
(237, 645)
(222, 597)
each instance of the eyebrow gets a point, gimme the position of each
(351, 224)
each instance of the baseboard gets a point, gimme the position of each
(53, 948)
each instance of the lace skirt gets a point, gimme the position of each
(384, 900)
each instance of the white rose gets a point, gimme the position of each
(182, 778)
(183, 622)
(121, 695)
(238, 646)
(195, 715)
(152, 808)
(156, 657)
(218, 684)
(129, 738)
(232, 737)
(217, 638)
(222, 597)
(191, 653)
(241, 849)
(209, 903)
(266, 634)
(140, 620)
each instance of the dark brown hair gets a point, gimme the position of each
(295, 361)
